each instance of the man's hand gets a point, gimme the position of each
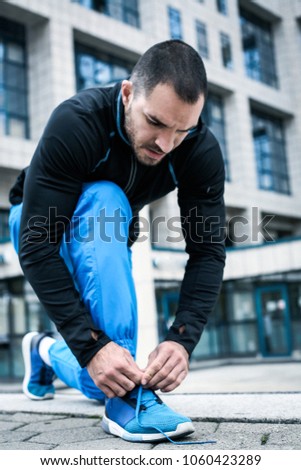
(114, 370)
(167, 367)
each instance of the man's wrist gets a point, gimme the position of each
(179, 345)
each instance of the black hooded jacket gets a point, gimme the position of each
(84, 140)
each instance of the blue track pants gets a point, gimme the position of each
(96, 253)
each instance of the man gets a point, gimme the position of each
(104, 154)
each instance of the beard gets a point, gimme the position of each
(138, 149)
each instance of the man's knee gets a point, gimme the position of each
(106, 193)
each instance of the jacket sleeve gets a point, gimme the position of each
(53, 182)
(202, 208)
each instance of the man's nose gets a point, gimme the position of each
(166, 141)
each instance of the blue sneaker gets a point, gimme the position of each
(141, 416)
(37, 383)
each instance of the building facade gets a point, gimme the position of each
(51, 49)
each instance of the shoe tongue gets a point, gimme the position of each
(147, 396)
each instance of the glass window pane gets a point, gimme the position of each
(243, 306)
(4, 326)
(86, 3)
(226, 51)
(119, 72)
(213, 115)
(14, 76)
(17, 358)
(131, 19)
(94, 68)
(86, 68)
(258, 48)
(18, 311)
(17, 128)
(1, 73)
(267, 181)
(13, 83)
(2, 124)
(2, 98)
(216, 112)
(243, 338)
(34, 316)
(175, 25)
(4, 228)
(15, 53)
(4, 361)
(1, 50)
(16, 103)
(115, 11)
(102, 73)
(122, 10)
(270, 153)
(222, 6)
(202, 39)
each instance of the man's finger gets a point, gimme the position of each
(172, 381)
(161, 374)
(150, 373)
(152, 370)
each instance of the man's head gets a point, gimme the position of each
(163, 99)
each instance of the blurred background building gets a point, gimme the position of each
(49, 49)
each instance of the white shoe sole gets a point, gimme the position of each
(110, 427)
(26, 342)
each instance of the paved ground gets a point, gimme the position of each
(255, 406)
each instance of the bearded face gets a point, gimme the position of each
(156, 124)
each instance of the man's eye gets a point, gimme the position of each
(152, 123)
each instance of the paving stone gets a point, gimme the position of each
(62, 437)
(253, 435)
(25, 446)
(64, 404)
(285, 436)
(288, 446)
(61, 424)
(203, 432)
(106, 444)
(34, 417)
(239, 407)
(15, 436)
(5, 416)
(7, 425)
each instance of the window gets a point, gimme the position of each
(175, 25)
(122, 10)
(269, 144)
(221, 6)
(258, 49)
(94, 68)
(13, 82)
(4, 229)
(202, 43)
(20, 311)
(226, 51)
(213, 116)
(279, 227)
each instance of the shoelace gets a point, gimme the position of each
(177, 443)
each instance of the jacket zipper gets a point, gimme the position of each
(132, 175)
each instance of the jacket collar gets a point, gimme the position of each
(118, 111)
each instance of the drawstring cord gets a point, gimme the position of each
(177, 443)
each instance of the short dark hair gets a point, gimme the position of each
(171, 62)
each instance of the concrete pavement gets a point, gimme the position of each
(247, 407)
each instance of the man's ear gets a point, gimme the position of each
(126, 92)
